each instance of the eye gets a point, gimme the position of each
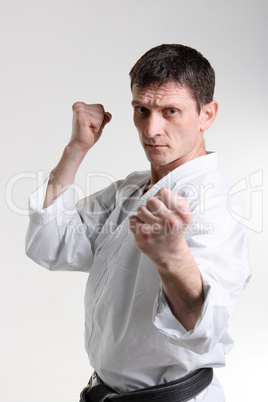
(141, 110)
(171, 111)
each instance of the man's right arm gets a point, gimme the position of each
(57, 236)
(88, 124)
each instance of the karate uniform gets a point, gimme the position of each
(131, 336)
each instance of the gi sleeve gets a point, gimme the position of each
(219, 246)
(62, 236)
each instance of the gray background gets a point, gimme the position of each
(54, 53)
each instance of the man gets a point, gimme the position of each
(167, 262)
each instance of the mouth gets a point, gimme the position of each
(155, 146)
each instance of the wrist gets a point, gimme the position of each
(74, 149)
(175, 260)
(64, 173)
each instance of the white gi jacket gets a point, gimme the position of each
(131, 336)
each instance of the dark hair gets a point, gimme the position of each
(173, 62)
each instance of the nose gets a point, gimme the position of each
(152, 126)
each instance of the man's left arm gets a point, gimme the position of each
(159, 229)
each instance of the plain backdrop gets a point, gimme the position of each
(53, 53)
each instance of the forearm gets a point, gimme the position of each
(183, 287)
(88, 123)
(62, 176)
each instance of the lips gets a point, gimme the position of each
(155, 146)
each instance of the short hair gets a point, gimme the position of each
(174, 62)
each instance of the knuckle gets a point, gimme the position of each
(183, 206)
(188, 218)
(149, 201)
(163, 191)
(152, 201)
(140, 209)
(98, 109)
(77, 105)
(182, 200)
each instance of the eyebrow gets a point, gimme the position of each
(167, 106)
(134, 102)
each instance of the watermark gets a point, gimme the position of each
(126, 198)
(198, 226)
(252, 188)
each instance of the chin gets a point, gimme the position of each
(157, 162)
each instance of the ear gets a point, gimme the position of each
(208, 114)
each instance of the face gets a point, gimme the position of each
(169, 125)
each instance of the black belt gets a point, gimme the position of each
(180, 390)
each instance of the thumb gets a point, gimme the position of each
(107, 118)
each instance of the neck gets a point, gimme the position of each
(159, 171)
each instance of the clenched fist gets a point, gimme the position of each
(88, 123)
(160, 225)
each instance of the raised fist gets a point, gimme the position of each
(88, 123)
